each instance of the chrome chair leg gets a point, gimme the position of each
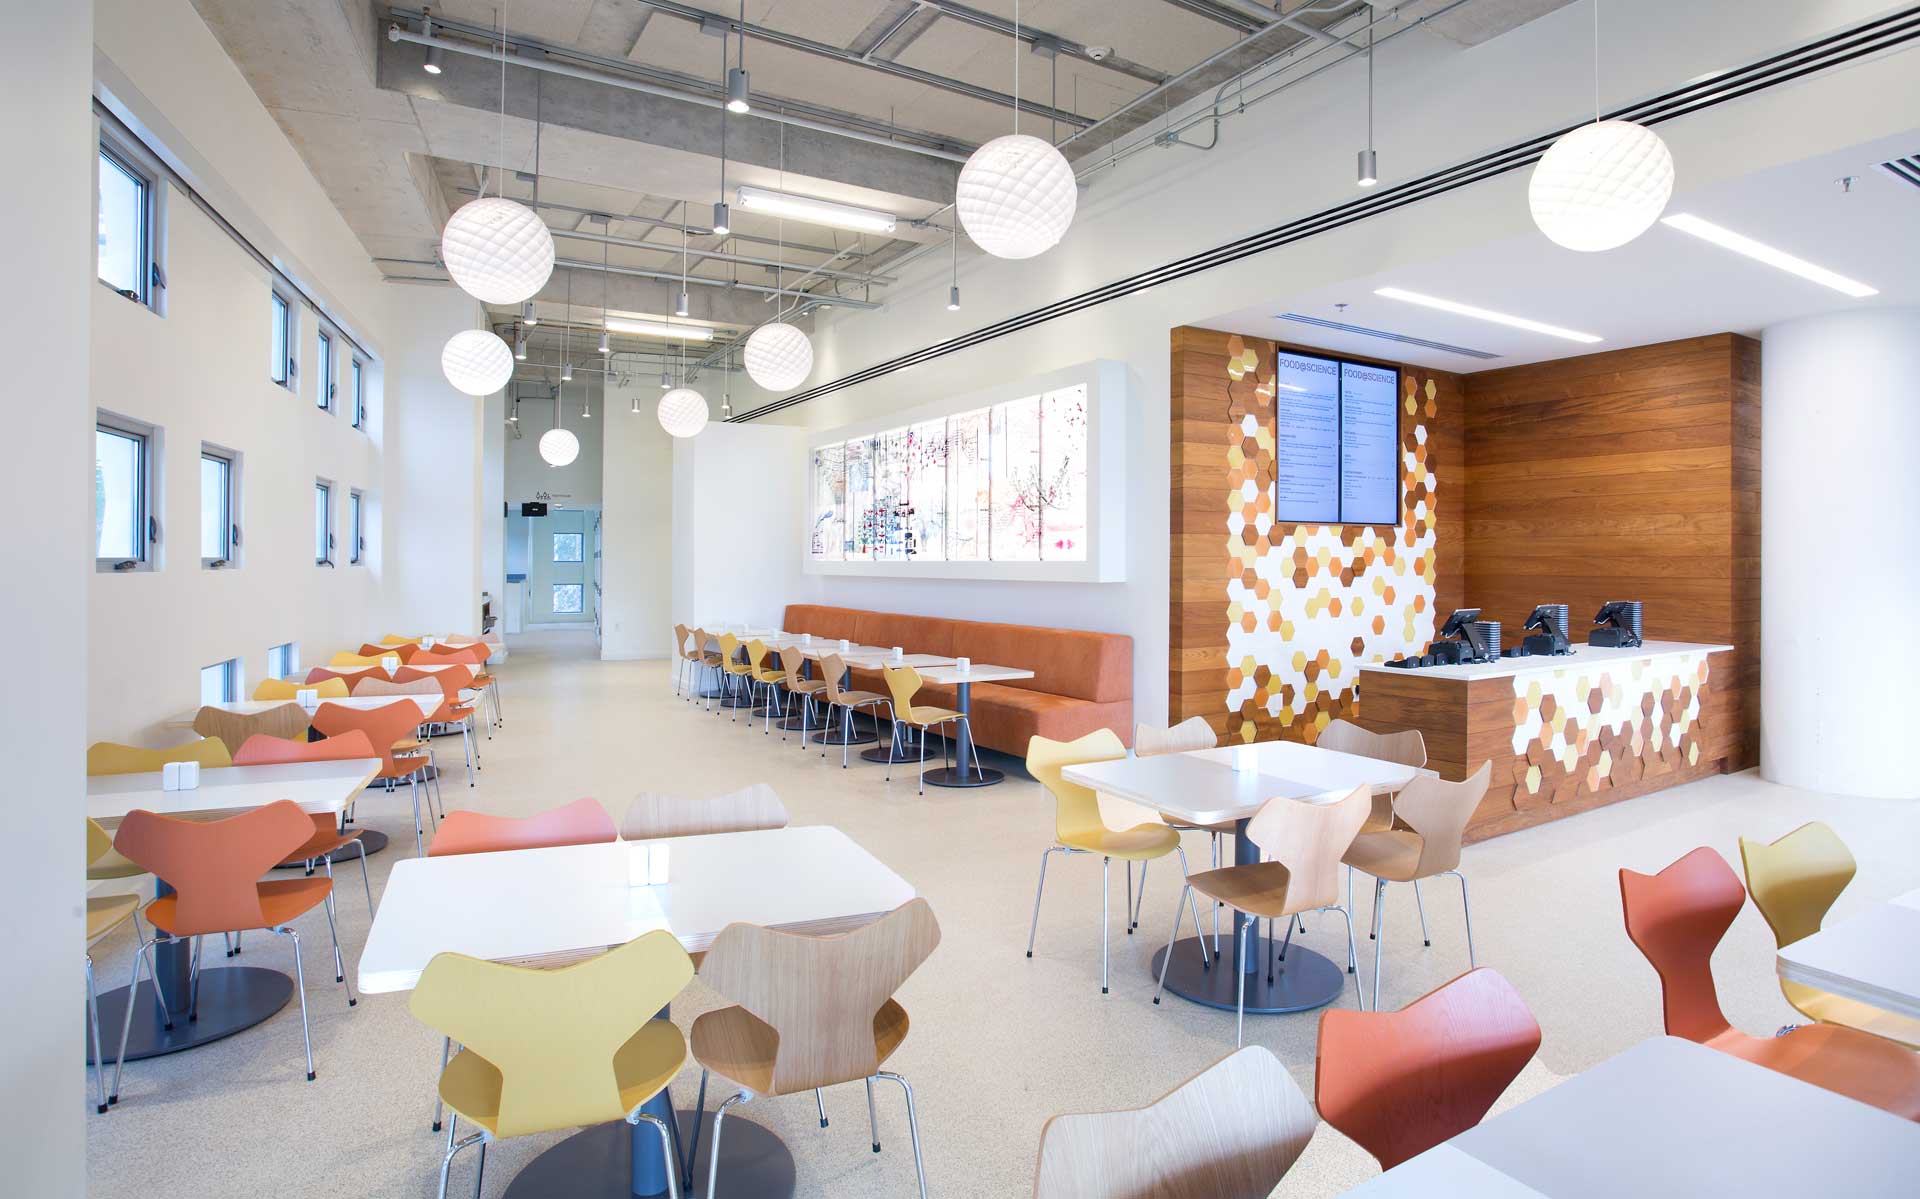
(1174, 935)
(1466, 914)
(873, 1117)
(1379, 944)
(1106, 918)
(446, 1163)
(100, 1059)
(1359, 1000)
(1038, 892)
(713, 1155)
(913, 1132)
(1425, 939)
(300, 987)
(1240, 987)
(446, 1051)
(339, 964)
(143, 953)
(667, 1138)
(1140, 899)
(820, 1102)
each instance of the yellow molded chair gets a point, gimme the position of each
(1079, 829)
(769, 678)
(349, 658)
(397, 639)
(733, 671)
(291, 688)
(904, 683)
(104, 914)
(1794, 881)
(545, 1050)
(107, 757)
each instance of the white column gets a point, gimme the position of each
(1840, 552)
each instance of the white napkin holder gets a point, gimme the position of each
(647, 864)
(845, 645)
(806, 640)
(189, 775)
(963, 665)
(898, 656)
(170, 776)
(390, 661)
(307, 697)
(426, 643)
(1246, 758)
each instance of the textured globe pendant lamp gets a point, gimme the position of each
(779, 357)
(476, 362)
(558, 447)
(1016, 195)
(498, 250)
(682, 412)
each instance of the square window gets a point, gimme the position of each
(283, 660)
(125, 232)
(323, 524)
(121, 491)
(281, 363)
(219, 531)
(567, 597)
(220, 683)
(324, 397)
(356, 539)
(566, 547)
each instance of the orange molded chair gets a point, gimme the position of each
(1399, 1083)
(214, 868)
(478, 677)
(456, 679)
(405, 650)
(328, 838)
(582, 822)
(383, 727)
(1677, 917)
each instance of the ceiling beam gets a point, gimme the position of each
(1037, 37)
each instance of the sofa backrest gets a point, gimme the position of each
(1071, 662)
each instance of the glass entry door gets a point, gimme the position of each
(559, 577)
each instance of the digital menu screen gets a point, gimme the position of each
(1369, 445)
(1336, 442)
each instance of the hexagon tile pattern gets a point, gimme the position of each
(1310, 602)
(1581, 731)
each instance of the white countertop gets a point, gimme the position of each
(1873, 957)
(315, 786)
(1202, 786)
(1581, 657)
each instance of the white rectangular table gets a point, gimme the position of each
(1202, 787)
(1669, 1117)
(1872, 957)
(966, 773)
(253, 707)
(315, 786)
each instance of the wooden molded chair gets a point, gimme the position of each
(904, 683)
(1429, 820)
(702, 658)
(1230, 1132)
(1677, 917)
(107, 757)
(764, 678)
(331, 686)
(1399, 1083)
(833, 672)
(384, 726)
(544, 1050)
(104, 914)
(650, 816)
(1406, 747)
(811, 1012)
(733, 673)
(1190, 735)
(328, 838)
(807, 690)
(214, 868)
(1300, 841)
(582, 822)
(1794, 881)
(289, 721)
(1077, 827)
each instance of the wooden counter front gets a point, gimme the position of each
(1564, 734)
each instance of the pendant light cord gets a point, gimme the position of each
(1596, 62)
(500, 15)
(1016, 66)
(723, 124)
(1370, 19)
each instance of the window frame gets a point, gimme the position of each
(323, 350)
(232, 538)
(138, 165)
(358, 373)
(290, 663)
(146, 520)
(580, 548)
(281, 309)
(323, 498)
(229, 682)
(356, 528)
(581, 610)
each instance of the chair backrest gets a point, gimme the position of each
(449, 682)
(232, 728)
(820, 994)
(1076, 809)
(349, 658)
(397, 639)
(553, 1034)
(757, 654)
(107, 757)
(1676, 918)
(448, 657)
(1230, 1132)
(650, 816)
(1407, 746)
(383, 725)
(214, 865)
(99, 841)
(1309, 837)
(404, 651)
(1439, 810)
(729, 649)
(1399, 1083)
(374, 686)
(1795, 880)
(1190, 734)
(582, 822)
(792, 663)
(320, 675)
(331, 686)
(834, 671)
(696, 644)
(903, 683)
(262, 749)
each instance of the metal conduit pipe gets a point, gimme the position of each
(636, 243)
(759, 288)
(396, 34)
(659, 222)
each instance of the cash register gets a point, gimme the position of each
(1547, 636)
(1616, 625)
(1462, 640)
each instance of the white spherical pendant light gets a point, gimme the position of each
(779, 357)
(1016, 196)
(558, 447)
(498, 250)
(683, 412)
(1601, 185)
(476, 362)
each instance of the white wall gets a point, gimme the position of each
(1438, 105)
(1838, 572)
(737, 524)
(45, 468)
(637, 614)
(528, 476)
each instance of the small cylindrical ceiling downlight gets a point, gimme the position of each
(636, 404)
(432, 65)
(953, 298)
(606, 347)
(720, 218)
(566, 373)
(683, 307)
(1369, 168)
(528, 316)
(520, 347)
(666, 381)
(738, 88)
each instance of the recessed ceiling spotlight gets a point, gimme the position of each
(1727, 239)
(1483, 314)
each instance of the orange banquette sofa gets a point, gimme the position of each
(1081, 681)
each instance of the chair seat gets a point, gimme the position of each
(322, 844)
(407, 745)
(769, 676)
(1381, 818)
(108, 912)
(1392, 854)
(854, 699)
(807, 686)
(470, 1084)
(1258, 890)
(1855, 1064)
(738, 1044)
(925, 717)
(1175, 822)
(281, 901)
(1829, 1008)
(1142, 842)
(112, 865)
(709, 659)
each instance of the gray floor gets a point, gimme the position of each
(998, 1042)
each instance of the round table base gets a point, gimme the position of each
(373, 839)
(231, 998)
(1306, 980)
(953, 776)
(598, 1163)
(833, 736)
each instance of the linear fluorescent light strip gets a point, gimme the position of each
(1727, 239)
(620, 324)
(1484, 314)
(816, 212)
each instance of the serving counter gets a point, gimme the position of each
(1564, 733)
